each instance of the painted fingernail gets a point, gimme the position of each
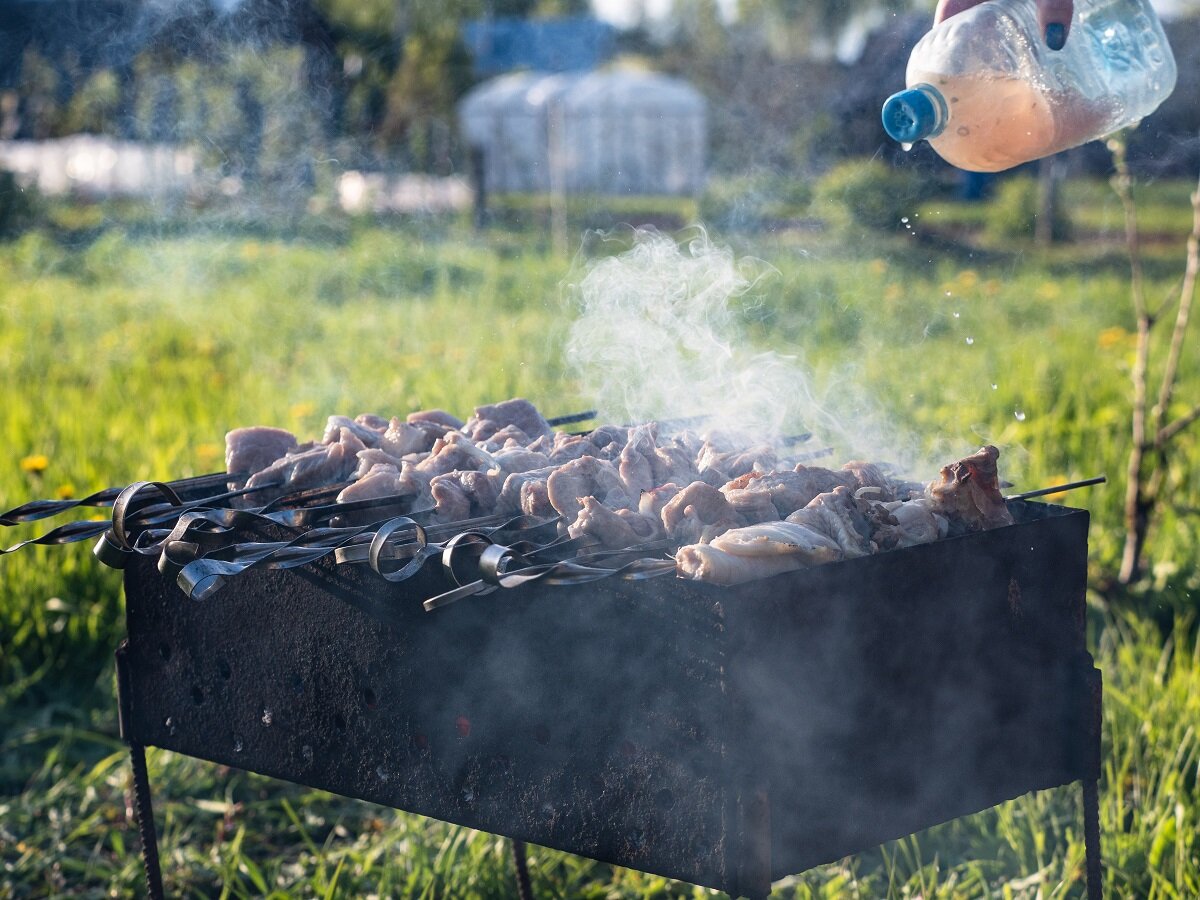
(1056, 35)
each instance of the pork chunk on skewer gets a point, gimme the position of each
(697, 513)
(519, 412)
(838, 516)
(968, 494)
(586, 477)
(251, 450)
(614, 529)
(756, 551)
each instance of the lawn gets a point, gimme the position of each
(127, 354)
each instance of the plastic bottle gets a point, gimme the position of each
(988, 94)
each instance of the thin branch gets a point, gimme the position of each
(1187, 293)
(1169, 431)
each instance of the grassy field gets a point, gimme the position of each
(128, 355)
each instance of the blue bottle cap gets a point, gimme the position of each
(911, 115)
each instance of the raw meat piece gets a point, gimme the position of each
(337, 424)
(697, 513)
(968, 494)
(915, 522)
(249, 450)
(837, 516)
(383, 480)
(401, 438)
(509, 501)
(518, 412)
(612, 528)
(756, 551)
(454, 451)
(435, 417)
(518, 459)
(752, 506)
(372, 457)
(651, 503)
(479, 488)
(586, 477)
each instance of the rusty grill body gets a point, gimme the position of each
(725, 736)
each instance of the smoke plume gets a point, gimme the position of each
(662, 335)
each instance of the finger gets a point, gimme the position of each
(1054, 18)
(948, 8)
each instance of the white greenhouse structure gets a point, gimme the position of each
(599, 132)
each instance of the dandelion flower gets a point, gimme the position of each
(65, 491)
(35, 464)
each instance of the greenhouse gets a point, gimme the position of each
(601, 132)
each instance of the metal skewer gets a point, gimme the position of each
(1058, 488)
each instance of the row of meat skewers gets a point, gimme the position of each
(517, 500)
(730, 512)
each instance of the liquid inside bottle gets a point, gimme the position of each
(996, 123)
(987, 93)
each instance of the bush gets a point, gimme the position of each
(18, 206)
(867, 194)
(1012, 214)
(751, 202)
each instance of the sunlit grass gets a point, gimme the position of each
(130, 357)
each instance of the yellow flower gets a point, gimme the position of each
(251, 250)
(1048, 290)
(65, 491)
(893, 293)
(967, 279)
(1111, 337)
(35, 464)
(303, 409)
(877, 266)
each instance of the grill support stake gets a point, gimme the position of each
(144, 812)
(524, 888)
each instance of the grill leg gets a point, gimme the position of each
(144, 813)
(1091, 785)
(524, 888)
(1091, 837)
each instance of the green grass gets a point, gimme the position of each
(129, 356)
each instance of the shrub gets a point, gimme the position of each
(18, 206)
(751, 202)
(1012, 213)
(867, 194)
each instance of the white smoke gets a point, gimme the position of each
(662, 335)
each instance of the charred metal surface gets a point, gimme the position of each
(723, 736)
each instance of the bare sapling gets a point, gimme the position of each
(1153, 430)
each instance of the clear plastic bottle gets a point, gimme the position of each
(988, 94)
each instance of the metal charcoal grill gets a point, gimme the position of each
(725, 736)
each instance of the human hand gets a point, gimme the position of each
(1054, 17)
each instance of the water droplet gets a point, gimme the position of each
(267, 716)
(904, 219)
(995, 386)
(237, 743)
(169, 722)
(970, 341)
(963, 130)
(1020, 414)
(906, 147)
(468, 795)
(949, 294)
(956, 315)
